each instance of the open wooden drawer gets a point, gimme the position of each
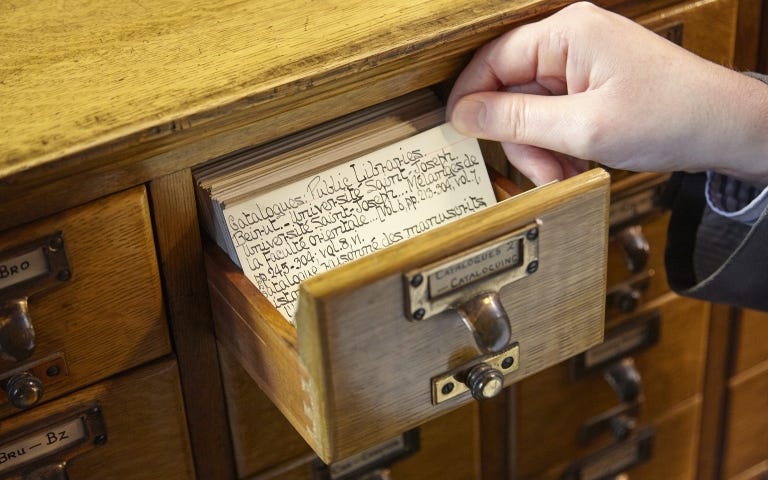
(388, 341)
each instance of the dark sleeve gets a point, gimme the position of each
(711, 257)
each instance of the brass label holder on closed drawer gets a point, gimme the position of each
(24, 271)
(43, 450)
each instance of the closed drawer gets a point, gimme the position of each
(447, 447)
(746, 433)
(638, 235)
(665, 449)
(101, 312)
(751, 345)
(131, 426)
(564, 414)
(357, 370)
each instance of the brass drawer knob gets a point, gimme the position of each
(24, 390)
(484, 381)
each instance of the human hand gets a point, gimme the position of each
(589, 84)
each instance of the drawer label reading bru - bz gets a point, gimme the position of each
(41, 444)
(31, 450)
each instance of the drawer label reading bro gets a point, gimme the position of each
(33, 267)
(23, 267)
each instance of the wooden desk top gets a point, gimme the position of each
(78, 74)
(100, 96)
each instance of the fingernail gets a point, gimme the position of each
(469, 117)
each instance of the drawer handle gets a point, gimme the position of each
(24, 271)
(468, 283)
(636, 248)
(486, 318)
(625, 380)
(17, 335)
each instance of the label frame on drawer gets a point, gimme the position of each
(626, 339)
(379, 456)
(51, 250)
(641, 444)
(89, 422)
(484, 268)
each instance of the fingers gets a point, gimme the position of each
(542, 166)
(516, 58)
(559, 123)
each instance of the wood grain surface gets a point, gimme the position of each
(110, 316)
(145, 425)
(371, 366)
(552, 407)
(746, 434)
(180, 248)
(78, 74)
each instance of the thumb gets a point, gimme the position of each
(552, 122)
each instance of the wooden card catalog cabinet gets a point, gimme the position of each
(391, 340)
(80, 299)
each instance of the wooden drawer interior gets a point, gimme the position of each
(109, 315)
(146, 430)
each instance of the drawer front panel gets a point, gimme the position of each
(108, 316)
(361, 366)
(674, 442)
(746, 435)
(144, 422)
(751, 345)
(553, 408)
(448, 447)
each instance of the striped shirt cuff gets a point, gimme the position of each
(734, 199)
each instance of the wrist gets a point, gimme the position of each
(745, 155)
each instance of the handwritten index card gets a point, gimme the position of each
(285, 235)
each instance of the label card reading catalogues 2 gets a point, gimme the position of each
(295, 231)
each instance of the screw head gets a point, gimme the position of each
(100, 439)
(447, 388)
(507, 362)
(532, 234)
(56, 243)
(532, 267)
(419, 314)
(53, 371)
(64, 275)
(417, 280)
